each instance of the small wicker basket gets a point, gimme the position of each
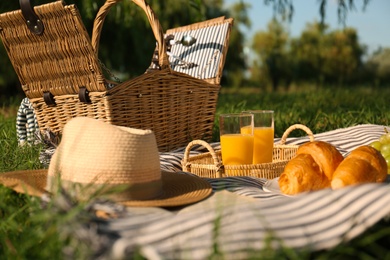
(210, 165)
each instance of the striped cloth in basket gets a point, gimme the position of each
(26, 123)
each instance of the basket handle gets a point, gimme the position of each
(292, 128)
(154, 22)
(34, 24)
(186, 165)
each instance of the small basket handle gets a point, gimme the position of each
(154, 22)
(294, 127)
(186, 164)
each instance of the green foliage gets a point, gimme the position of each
(29, 228)
(24, 232)
(32, 229)
(318, 55)
(8, 75)
(344, 55)
(379, 65)
(308, 51)
(271, 47)
(13, 156)
(235, 63)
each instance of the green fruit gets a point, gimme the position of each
(385, 139)
(387, 158)
(377, 145)
(385, 149)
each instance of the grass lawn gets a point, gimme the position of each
(319, 109)
(28, 232)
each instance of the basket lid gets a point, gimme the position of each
(207, 54)
(60, 60)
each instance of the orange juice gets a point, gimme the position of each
(237, 149)
(263, 143)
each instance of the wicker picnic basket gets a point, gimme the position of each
(210, 164)
(57, 64)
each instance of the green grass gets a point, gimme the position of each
(30, 231)
(319, 109)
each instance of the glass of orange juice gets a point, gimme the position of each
(263, 132)
(236, 146)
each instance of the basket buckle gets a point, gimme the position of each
(84, 95)
(49, 99)
(34, 24)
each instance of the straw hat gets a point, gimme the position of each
(119, 162)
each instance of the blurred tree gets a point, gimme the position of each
(378, 65)
(327, 56)
(342, 56)
(308, 57)
(235, 64)
(317, 55)
(9, 83)
(272, 46)
(308, 53)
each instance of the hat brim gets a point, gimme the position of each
(178, 189)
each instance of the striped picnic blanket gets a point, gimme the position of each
(245, 214)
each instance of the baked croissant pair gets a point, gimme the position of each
(319, 165)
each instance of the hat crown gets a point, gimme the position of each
(95, 152)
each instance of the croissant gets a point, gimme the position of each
(311, 169)
(362, 165)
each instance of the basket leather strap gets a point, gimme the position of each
(49, 99)
(34, 24)
(84, 95)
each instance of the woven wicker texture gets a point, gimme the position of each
(210, 164)
(58, 61)
(64, 59)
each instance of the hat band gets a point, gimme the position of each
(116, 192)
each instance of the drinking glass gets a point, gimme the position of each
(263, 131)
(236, 146)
